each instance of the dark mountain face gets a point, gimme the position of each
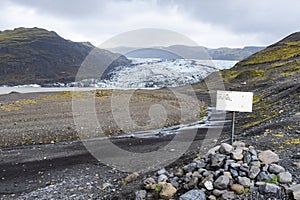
(34, 55)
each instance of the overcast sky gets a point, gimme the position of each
(211, 23)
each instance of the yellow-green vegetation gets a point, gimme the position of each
(17, 105)
(274, 180)
(103, 93)
(279, 52)
(60, 95)
(294, 141)
(280, 135)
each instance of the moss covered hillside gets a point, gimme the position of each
(273, 74)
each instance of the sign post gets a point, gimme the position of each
(235, 102)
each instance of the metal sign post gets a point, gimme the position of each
(232, 127)
(235, 102)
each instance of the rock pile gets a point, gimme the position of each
(226, 172)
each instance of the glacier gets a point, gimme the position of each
(157, 73)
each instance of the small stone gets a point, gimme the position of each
(217, 160)
(244, 181)
(247, 157)
(234, 173)
(225, 148)
(193, 182)
(268, 157)
(209, 185)
(235, 165)
(179, 172)
(221, 182)
(213, 150)
(237, 188)
(167, 191)
(254, 171)
(212, 197)
(295, 189)
(196, 174)
(285, 177)
(228, 195)
(268, 188)
(195, 194)
(245, 168)
(252, 151)
(237, 154)
(218, 193)
(200, 163)
(296, 164)
(276, 169)
(255, 163)
(162, 178)
(228, 174)
(162, 171)
(140, 195)
(131, 177)
(238, 144)
(190, 167)
(263, 176)
(149, 183)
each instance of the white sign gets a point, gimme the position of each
(234, 101)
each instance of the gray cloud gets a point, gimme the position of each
(211, 23)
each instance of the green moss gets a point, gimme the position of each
(250, 74)
(274, 180)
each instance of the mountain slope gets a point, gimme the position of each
(190, 52)
(34, 55)
(273, 74)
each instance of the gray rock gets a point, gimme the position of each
(200, 163)
(221, 182)
(193, 182)
(162, 171)
(234, 173)
(162, 178)
(213, 150)
(244, 168)
(268, 188)
(276, 169)
(247, 157)
(295, 190)
(285, 177)
(140, 195)
(255, 163)
(218, 193)
(228, 195)
(263, 176)
(252, 151)
(190, 167)
(254, 171)
(225, 148)
(244, 181)
(195, 194)
(235, 165)
(268, 157)
(217, 160)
